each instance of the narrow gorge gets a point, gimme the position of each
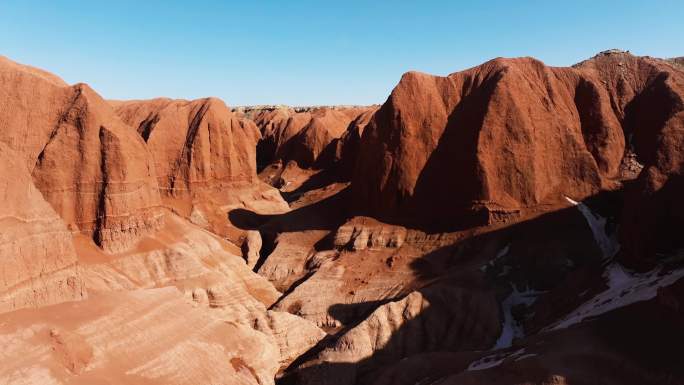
(512, 223)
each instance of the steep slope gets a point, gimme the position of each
(482, 163)
(345, 150)
(86, 162)
(309, 144)
(99, 175)
(303, 135)
(137, 337)
(31, 102)
(39, 265)
(648, 96)
(116, 240)
(201, 150)
(489, 143)
(484, 144)
(197, 145)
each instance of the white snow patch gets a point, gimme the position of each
(624, 288)
(511, 329)
(498, 256)
(607, 243)
(525, 356)
(494, 360)
(502, 252)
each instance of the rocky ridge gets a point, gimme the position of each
(510, 223)
(87, 220)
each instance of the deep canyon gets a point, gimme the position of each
(513, 223)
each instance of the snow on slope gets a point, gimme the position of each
(624, 288)
(607, 242)
(511, 328)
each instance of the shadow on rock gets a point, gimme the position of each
(327, 214)
(437, 331)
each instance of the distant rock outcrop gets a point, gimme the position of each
(678, 61)
(303, 135)
(197, 145)
(201, 150)
(345, 149)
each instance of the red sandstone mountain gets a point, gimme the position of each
(491, 142)
(468, 266)
(346, 148)
(303, 136)
(648, 98)
(201, 149)
(83, 217)
(87, 163)
(197, 144)
(492, 152)
(488, 142)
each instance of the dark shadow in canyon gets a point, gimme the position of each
(451, 179)
(638, 344)
(327, 214)
(316, 181)
(652, 222)
(555, 253)
(265, 149)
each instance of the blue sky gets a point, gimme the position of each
(313, 52)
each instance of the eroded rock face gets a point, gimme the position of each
(39, 264)
(95, 174)
(209, 272)
(649, 95)
(201, 150)
(516, 290)
(185, 256)
(117, 337)
(252, 247)
(347, 147)
(277, 130)
(486, 144)
(98, 175)
(197, 145)
(288, 262)
(435, 319)
(365, 233)
(304, 136)
(494, 139)
(311, 141)
(31, 102)
(66, 146)
(292, 335)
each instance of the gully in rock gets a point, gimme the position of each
(518, 221)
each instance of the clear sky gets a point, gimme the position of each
(313, 52)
